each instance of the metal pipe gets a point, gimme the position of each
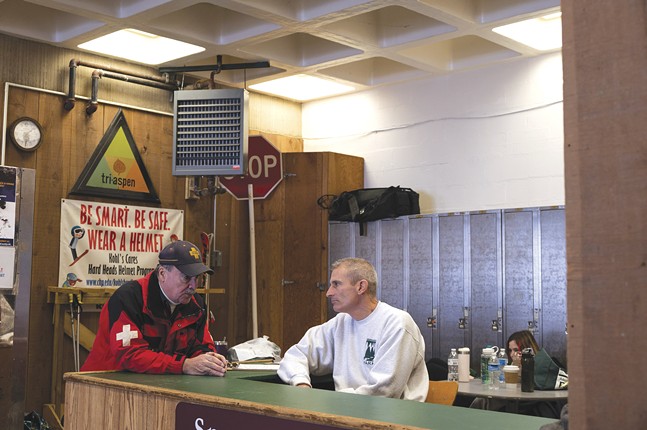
(161, 82)
(8, 85)
(137, 80)
(92, 65)
(69, 102)
(93, 104)
(98, 74)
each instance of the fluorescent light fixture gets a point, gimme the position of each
(543, 34)
(140, 46)
(302, 88)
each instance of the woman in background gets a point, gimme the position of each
(517, 342)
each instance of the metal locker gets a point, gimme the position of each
(340, 241)
(366, 245)
(518, 268)
(453, 312)
(393, 283)
(421, 274)
(486, 281)
(552, 322)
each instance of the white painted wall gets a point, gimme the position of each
(485, 139)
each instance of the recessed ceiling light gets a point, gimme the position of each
(140, 46)
(302, 87)
(543, 34)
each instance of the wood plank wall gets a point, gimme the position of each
(605, 106)
(70, 140)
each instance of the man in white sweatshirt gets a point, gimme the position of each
(369, 347)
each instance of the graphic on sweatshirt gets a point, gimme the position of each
(369, 355)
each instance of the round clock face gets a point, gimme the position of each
(26, 134)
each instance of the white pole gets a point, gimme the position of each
(252, 252)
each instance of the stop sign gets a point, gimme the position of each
(264, 171)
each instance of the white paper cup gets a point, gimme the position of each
(511, 375)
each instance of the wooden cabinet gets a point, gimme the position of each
(291, 235)
(292, 243)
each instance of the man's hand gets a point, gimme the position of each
(210, 363)
(304, 385)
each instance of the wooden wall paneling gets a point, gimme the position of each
(232, 310)
(282, 143)
(295, 274)
(50, 187)
(305, 242)
(421, 270)
(606, 175)
(485, 278)
(269, 226)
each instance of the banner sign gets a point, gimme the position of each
(201, 417)
(105, 245)
(8, 177)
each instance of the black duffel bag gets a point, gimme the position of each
(371, 204)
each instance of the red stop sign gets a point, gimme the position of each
(264, 171)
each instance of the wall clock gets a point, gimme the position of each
(26, 134)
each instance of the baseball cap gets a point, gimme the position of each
(185, 256)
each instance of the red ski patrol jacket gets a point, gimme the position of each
(137, 331)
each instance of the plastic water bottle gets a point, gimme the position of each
(503, 361)
(494, 372)
(452, 366)
(486, 354)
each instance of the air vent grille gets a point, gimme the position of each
(210, 132)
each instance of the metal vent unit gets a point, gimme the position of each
(210, 132)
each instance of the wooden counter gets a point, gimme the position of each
(247, 399)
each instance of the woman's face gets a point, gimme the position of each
(515, 353)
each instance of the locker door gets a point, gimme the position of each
(341, 243)
(421, 273)
(552, 320)
(519, 278)
(486, 280)
(393, 283)
(452, 300)
(366, 246)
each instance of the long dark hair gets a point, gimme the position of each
(524, 339)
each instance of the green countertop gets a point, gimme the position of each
(265, 388)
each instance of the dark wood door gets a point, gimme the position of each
(304, 243)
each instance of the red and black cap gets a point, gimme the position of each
(185, 256)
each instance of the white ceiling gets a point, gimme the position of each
(366, 43)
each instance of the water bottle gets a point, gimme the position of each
(527, 370)
(494, 372)
(452, 366)
(503, 361)
(486, 353)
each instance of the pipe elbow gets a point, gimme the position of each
(91, 108)
(68, 105)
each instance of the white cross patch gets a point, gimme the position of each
(126, 334)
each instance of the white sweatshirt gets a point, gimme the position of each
(381, 355)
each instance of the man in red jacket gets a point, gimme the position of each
(158, 324)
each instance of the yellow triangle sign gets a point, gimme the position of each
(116, 168)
